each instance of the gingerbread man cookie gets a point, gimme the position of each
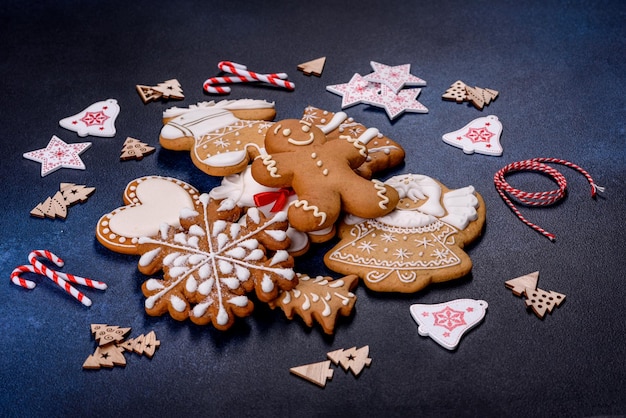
(420, 242)
(222, 137)
(382, 152)
(321, 172)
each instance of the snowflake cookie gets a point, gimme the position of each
(212, 262)
(420, 242)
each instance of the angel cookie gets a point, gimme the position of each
(222, 137)
(419, 243)
(321, 173)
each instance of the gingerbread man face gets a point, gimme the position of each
(322, 175)
(291, 134)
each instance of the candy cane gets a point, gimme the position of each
(211, 87)
(244, 75)
(57, 277)
(17, 272)
(538, 198)
(57, 260)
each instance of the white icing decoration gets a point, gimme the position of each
(149, 257)
(255, 255)
(145, 219)
(279, 257)
(178, 304)
(206, 286)
(241, 301)
(191, 285)
(266, 284)
(153, 284)
(277, 235)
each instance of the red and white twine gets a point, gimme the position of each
(538, 198)
(61, 279)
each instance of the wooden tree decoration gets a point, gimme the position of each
(134, 149)
(542, 301)
(314, 67)
(56, 206)
(317, 373)
(112, 344)
(520, 284)
(169, 89)
(352, 359)
(456, 92)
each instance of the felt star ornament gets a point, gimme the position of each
(58, 154)
(395, 77)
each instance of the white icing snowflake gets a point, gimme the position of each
(388, 237)
(367, 246)
(402, 253)
(210, 265)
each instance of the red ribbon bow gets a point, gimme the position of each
(279, 198)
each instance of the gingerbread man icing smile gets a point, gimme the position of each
(322, 174)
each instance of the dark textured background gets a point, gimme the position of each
(559, 67)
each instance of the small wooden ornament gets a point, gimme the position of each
(146, 344)
(134, 149)
(520, 284)
(56, 206)
(456, 92)
(170, 89)
(106, 334)
(352, 359)
(317, 373)
(108, 355)
(314, 67)
(542, 301)
(148, 93)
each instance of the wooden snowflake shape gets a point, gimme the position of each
(213, 261)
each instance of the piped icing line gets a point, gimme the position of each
(382, 194)
(368, 135)
(270, 165)
(357, 144)
(336, 121)
(304, 204)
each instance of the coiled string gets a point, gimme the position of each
(538, 198)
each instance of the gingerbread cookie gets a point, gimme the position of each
(320, 299)
(321, 172)
(210, 264)
(247, 193)
(419, 243)
(382, 152)
(222, 137)
(149, 203)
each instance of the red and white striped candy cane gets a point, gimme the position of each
(241, 70)
(211, 84)
(538, 198)
(57, 260)
(17, 272)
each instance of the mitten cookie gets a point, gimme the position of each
(149, 203)
(222, 137)
(322, 174)
(419, 243)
